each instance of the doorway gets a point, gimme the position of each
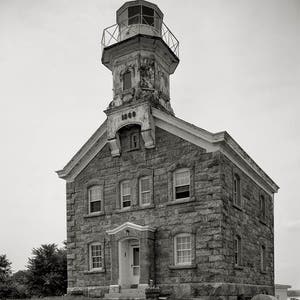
(129, 263)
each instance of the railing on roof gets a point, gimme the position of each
(139, 24)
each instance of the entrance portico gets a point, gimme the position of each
(132, 256)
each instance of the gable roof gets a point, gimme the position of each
(212, 142)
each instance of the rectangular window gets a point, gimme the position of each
(183, 249)
(147, 15)
(125, 194)
(134, 14)
(127, 80)
(262, 207)
(237, 251)
(96, 256)
(134, 141)
(95, 198)
(263, 258)
(145, 192)
(236, 190)
(182, 184)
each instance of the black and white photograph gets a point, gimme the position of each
(150, 150)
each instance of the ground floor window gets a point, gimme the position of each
(263, 258)
(183, 249)
(96, 256)
(237, 250)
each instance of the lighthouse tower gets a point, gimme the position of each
(156, 206)
(141, 53)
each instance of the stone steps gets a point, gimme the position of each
(127, 294)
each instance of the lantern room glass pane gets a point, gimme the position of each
(134, 15)
(147, 15)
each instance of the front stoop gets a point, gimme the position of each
(127, 294)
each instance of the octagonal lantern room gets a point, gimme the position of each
(139, 17)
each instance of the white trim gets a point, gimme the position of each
(82, 153)
(130, 225)
(97, 200)
(124, 195)
(212, 142)
(148, 191)
(177, 171)
(175, 249)
(90, 256)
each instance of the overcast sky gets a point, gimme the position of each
(239, 72)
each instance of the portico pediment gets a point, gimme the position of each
(129, 225)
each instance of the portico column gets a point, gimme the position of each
(146, 258)
(114, 284)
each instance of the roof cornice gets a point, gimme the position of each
(220, 141)
(84, 155)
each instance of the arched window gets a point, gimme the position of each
(262, 207)
(95, 199)
(127, 80)
(183, 249)
(181, 184)
(237, 190)
(237, 250)
(263, 258)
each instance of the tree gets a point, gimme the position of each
(5, 281)
(47, 271)
(5, 268)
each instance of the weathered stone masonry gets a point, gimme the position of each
(210, 216)
(207, 202)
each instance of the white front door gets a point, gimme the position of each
(134, 259)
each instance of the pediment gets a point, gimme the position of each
(129, 225)
(211, 142)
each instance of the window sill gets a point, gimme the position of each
(94, 271)
(185, 200)
(238, 267)
(96, 214)
(237, 207)
(182, 267)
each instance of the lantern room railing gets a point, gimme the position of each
(139, 24)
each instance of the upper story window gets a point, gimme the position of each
(134, 141)
(262, 204)
(237, 190)
(96, 256)
(127, 80)
(140, 14)
(237, 250)
(95, 199)
(125, 194)
(183, 249)
(263, 258)
(181, 183)
(145, 192)
(130, 137)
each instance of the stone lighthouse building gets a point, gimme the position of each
(153, 199)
